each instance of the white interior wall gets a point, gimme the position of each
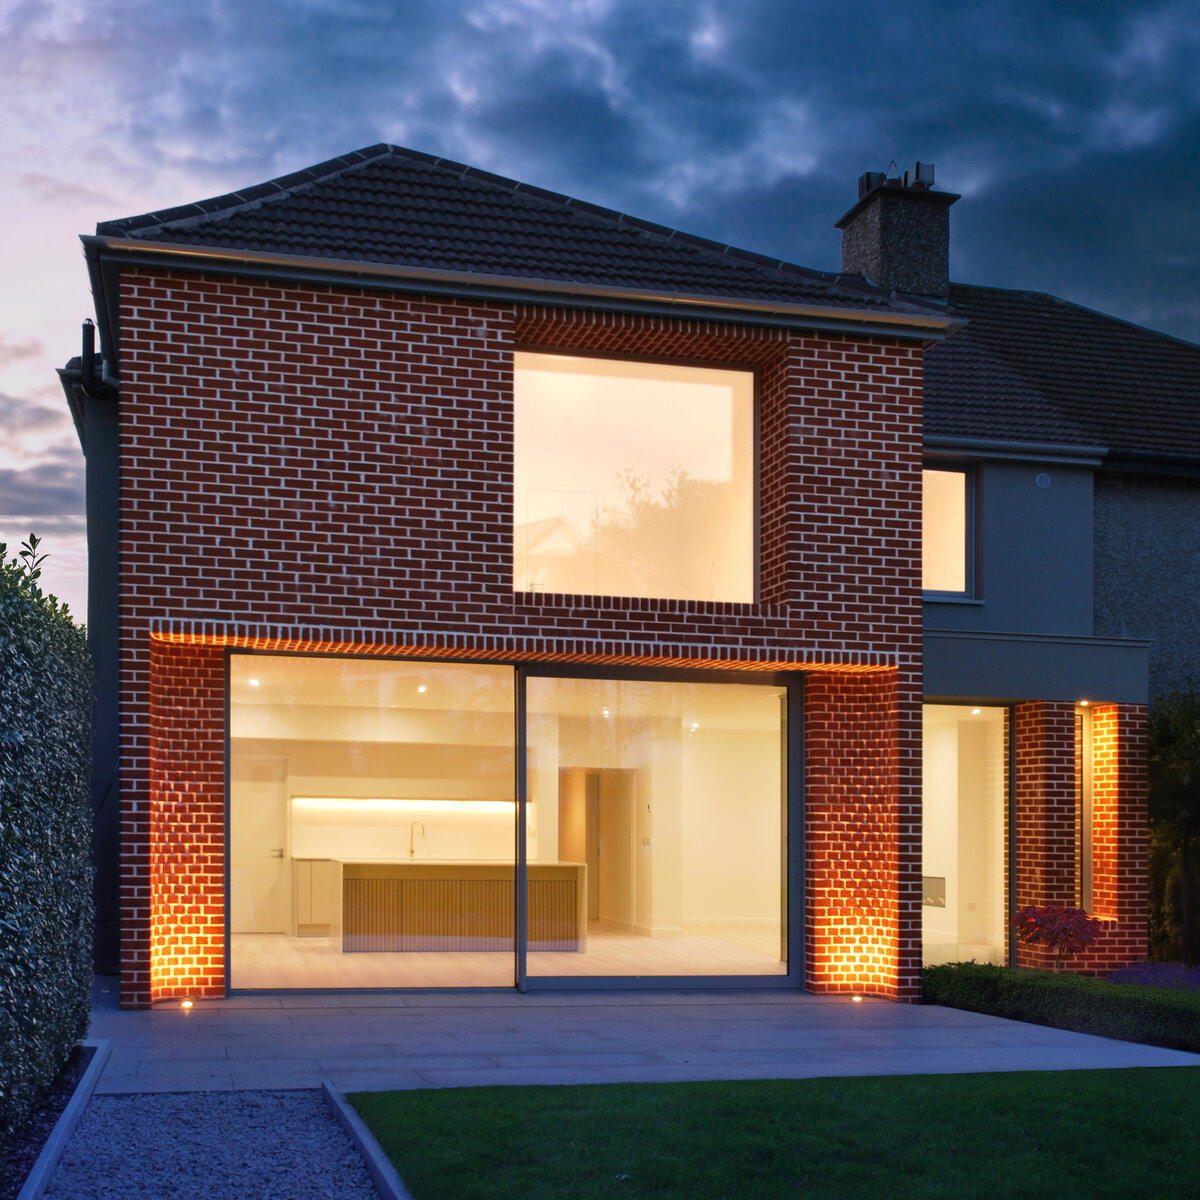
(963, 830)
(381, 830)
(939, 794)
(731, 826)
(980, 833)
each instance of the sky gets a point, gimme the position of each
(1072, 131)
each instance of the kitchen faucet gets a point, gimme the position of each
(412, 833)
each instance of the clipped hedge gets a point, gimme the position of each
(45, 837)
(1157, 1016)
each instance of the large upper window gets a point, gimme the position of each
(633, 479)
(945, 542)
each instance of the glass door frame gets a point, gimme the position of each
(791, 847)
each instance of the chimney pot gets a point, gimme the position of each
(898, 234)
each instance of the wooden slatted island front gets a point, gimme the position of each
(449, 906)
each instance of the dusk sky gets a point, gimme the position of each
(1072, 131)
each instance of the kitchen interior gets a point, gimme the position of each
(373, 826)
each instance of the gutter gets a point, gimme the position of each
(1102, 457)
(1047, 452)
(926, 327)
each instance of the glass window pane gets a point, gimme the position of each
(372, 823)
(944, 537)
(655, 828)
(633, 479)
(963, 834)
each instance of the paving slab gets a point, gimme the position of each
(456, 1039)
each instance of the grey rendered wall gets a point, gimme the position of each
(1033, 553)
(1147, 539)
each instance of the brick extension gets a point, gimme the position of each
(330, 469)
(312, 457)
(1045, 810)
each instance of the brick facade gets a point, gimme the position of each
(1048, 763)
(329, 470)
(332, 468)
(862, 828)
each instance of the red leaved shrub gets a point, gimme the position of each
(1066, 931)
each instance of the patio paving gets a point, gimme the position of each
(412, 1040)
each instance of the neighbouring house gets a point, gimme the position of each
(489, 589)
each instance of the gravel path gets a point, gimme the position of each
(211, 1146)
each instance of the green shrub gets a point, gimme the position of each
(45, 836)
(1156, 1016)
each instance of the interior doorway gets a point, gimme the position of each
(260, 883)
(596, 820)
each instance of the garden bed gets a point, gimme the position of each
(1166, 1016)
(39, 1142)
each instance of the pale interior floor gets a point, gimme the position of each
(276, 960)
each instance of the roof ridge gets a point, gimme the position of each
(183, 216)
(281, 185)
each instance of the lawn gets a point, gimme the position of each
(1022, 1134)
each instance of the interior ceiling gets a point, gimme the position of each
(373, 684)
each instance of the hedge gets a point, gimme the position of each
(1157, 1016)
(45, 836)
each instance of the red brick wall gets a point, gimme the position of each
(323, 467)
(187, 821)
(1119, 880)
(1044, 805)
(1045, 810)
(862, 874)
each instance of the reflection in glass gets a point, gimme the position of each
(963, 834)
(371, 823)
(659, 809)
(633, 479)
(944, 531)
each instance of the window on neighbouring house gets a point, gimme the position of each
(633, 479)
(945, 541)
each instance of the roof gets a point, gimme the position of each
(389, 206)
(1028, 368)
(1032, 368)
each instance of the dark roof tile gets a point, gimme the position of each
(391, 206)
(1030, 367)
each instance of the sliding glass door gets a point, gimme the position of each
(374, 839)
(372, 823)
(657, 818)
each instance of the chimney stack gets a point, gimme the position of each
(898, 234)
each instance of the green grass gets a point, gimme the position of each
(1023, 1134)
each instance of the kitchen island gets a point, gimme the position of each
(430, 905)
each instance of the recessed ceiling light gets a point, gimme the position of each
(253, 683)
(421, 688)
(976, 711)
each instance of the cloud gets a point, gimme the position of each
(53, 189)
(37, 415)
(50, 488)
(15, 528)
(11, 352)
(745, 122)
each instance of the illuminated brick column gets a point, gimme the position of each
(1044, 809)
(862, 842)
(1119, 880)
(187, 821)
